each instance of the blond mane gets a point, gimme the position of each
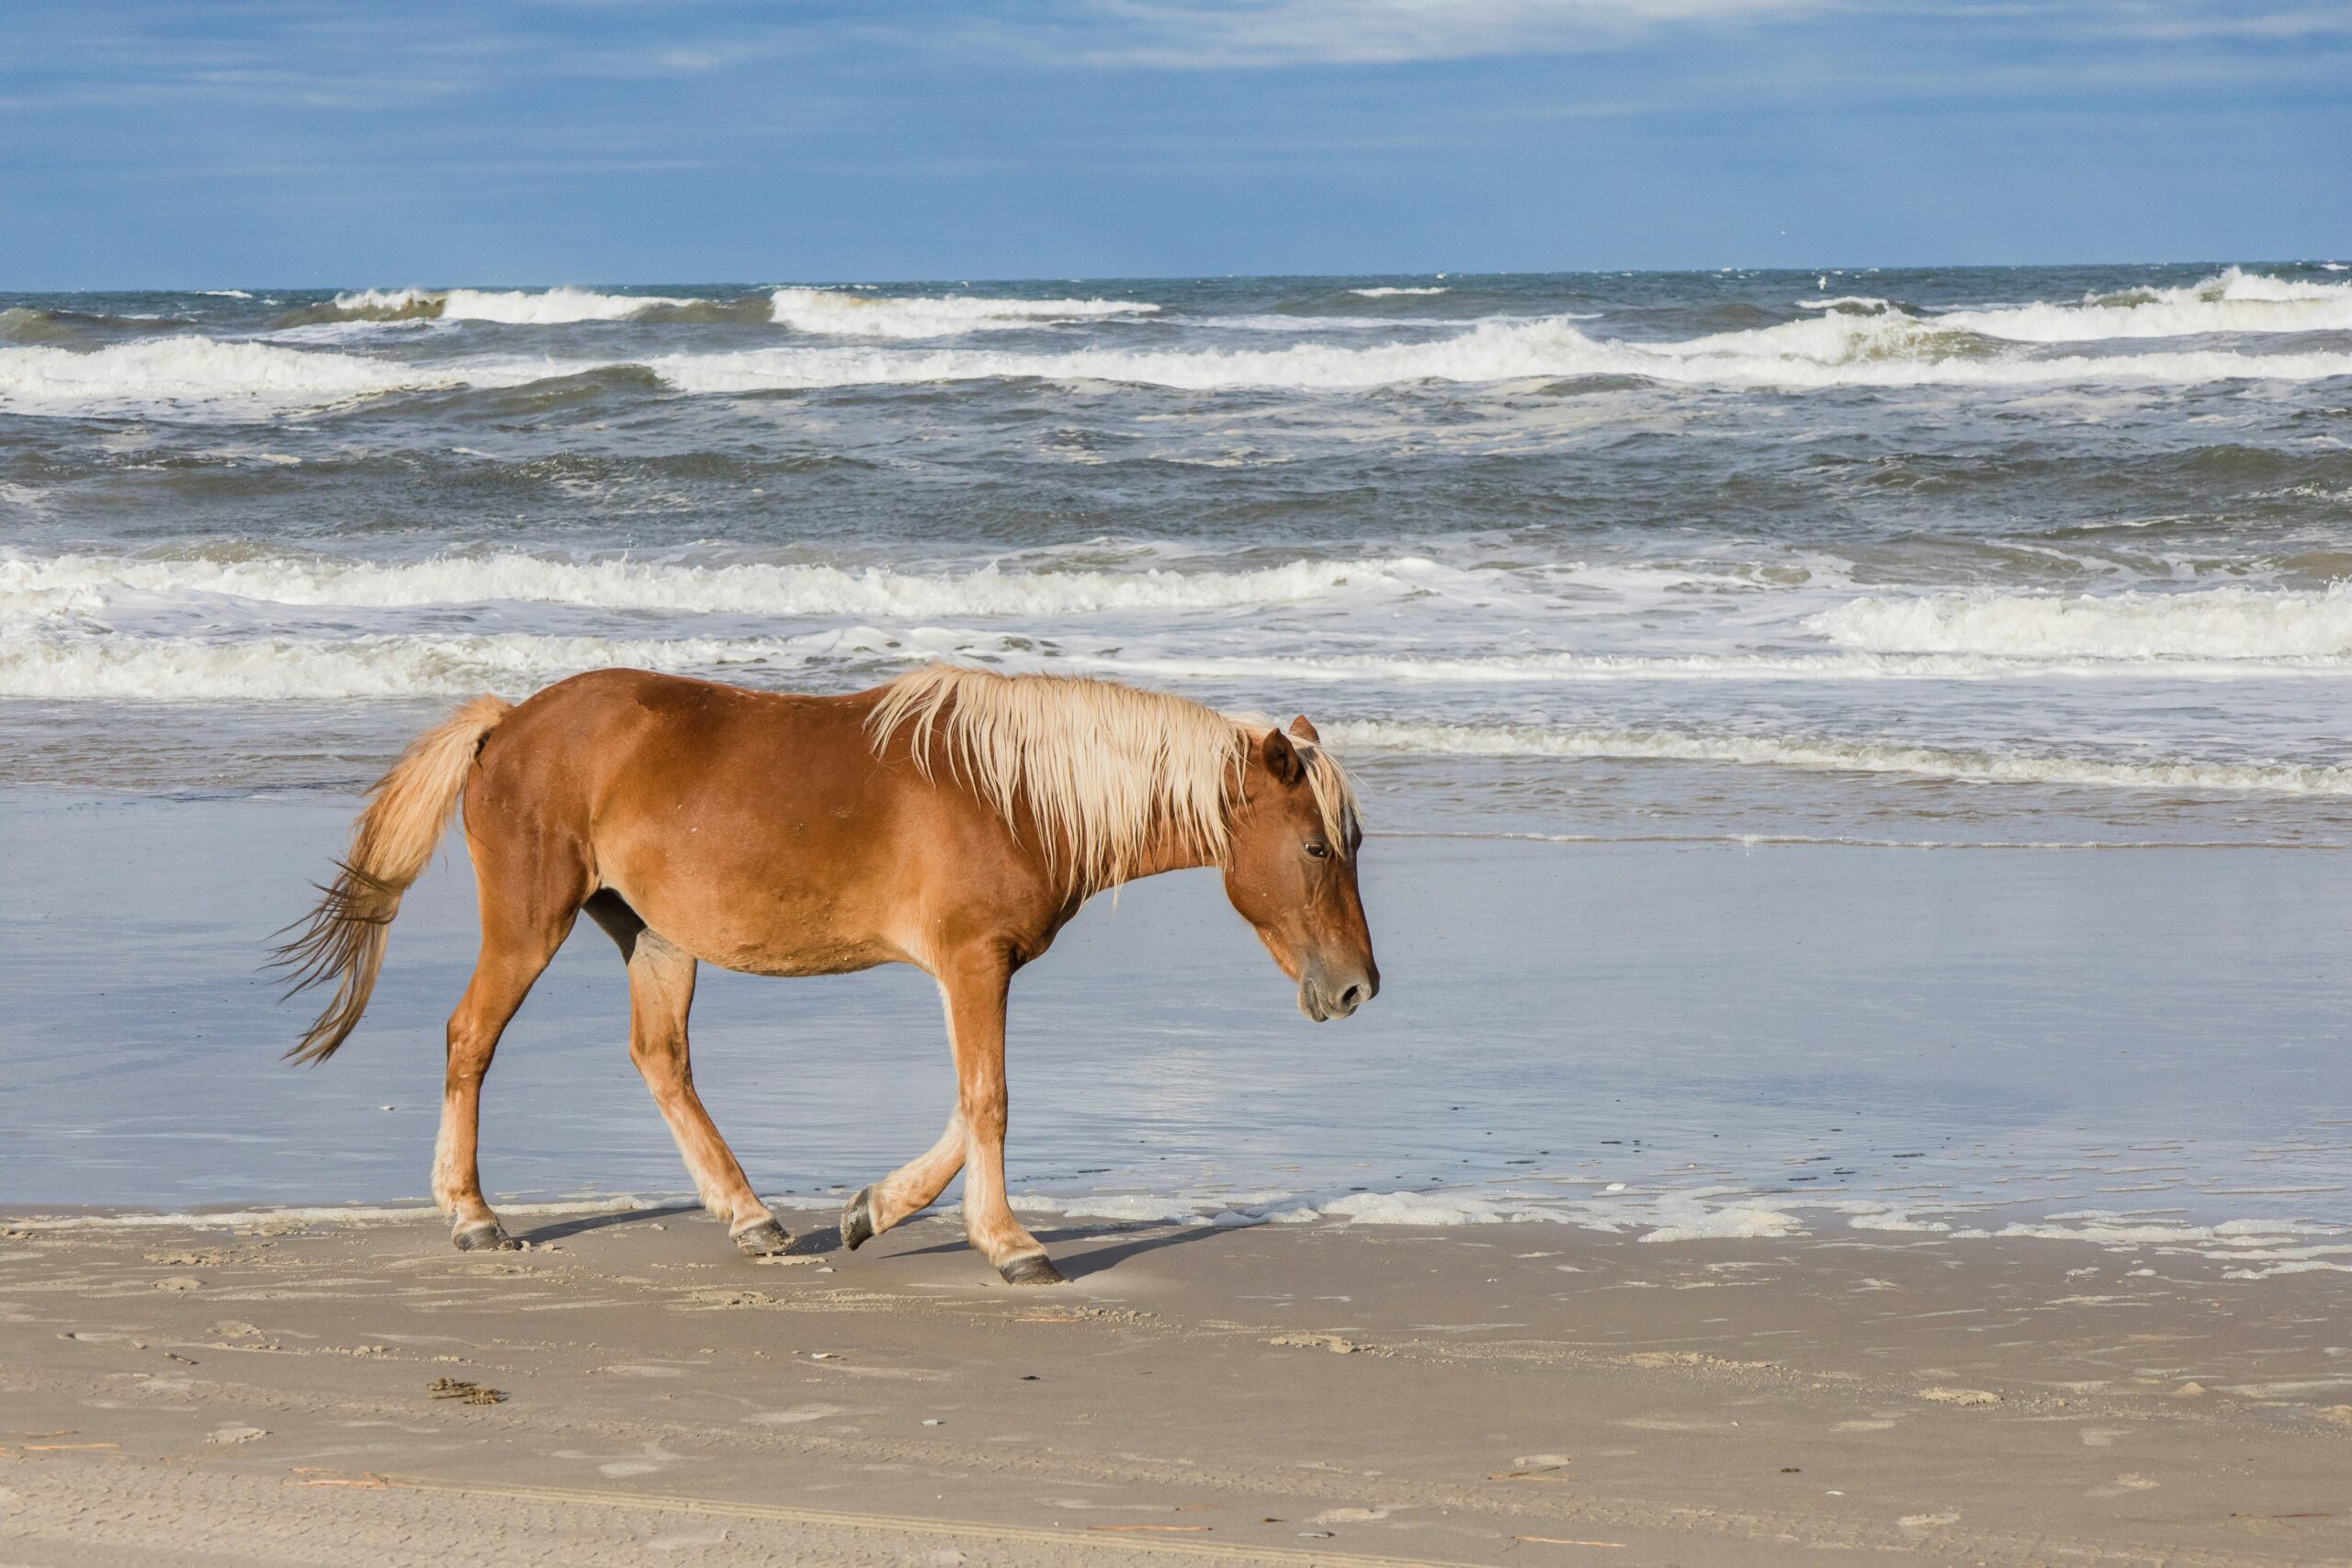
(1103, 769)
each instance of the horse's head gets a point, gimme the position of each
(1290, 870)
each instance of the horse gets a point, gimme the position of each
(954, 819)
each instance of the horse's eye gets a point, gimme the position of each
(1318, 849)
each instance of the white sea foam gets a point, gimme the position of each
(196, 375)
(2232, 301)
(836, 314)
(71, 665)
(551, 307)
(1840, 756)
(1388, 293)
(1445, 1208)
(625, 584)
(2255, 1248)
(1829, 350)
(225, 293)
(1688, 1217)
(2260, 1248)
(382, 303)
(2209, 623)
(200, 371)
(1862, 304)
(1601, 668)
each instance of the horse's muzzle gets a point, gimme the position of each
(1323, 997)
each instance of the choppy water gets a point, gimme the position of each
(1982, 556)
(2022, 555)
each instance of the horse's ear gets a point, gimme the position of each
(1304, 731)
(1282, 759)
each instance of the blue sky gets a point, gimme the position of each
(317, 142)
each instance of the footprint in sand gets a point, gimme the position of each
(227, 1436)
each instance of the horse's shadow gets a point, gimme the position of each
(1127, 1242)
(582, 1223)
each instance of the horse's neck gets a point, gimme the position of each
(1170, 850)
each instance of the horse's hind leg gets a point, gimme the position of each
(661, 994)
(521, 929)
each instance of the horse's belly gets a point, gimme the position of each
(764, 925)
(801, 957)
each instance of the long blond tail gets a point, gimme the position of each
(343, 939)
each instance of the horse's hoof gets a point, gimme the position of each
(1031, 1269)
(488, 1236)
(764, 1238)
(857, 1220)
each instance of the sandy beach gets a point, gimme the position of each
(262, 1391)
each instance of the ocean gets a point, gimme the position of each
(2037, 563)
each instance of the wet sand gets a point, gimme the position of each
(1522, 1394)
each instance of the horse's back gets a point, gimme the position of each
(756, 829)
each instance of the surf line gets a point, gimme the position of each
(905, 1524)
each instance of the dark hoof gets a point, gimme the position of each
(764, 1238)
(857, 1219)
(1033, 1268)
(490, 1237)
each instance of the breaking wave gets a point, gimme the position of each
(2232, 301)
(1835, 756)
(837, 313)
(778, 590)
(2208, 623)
(1388, 293)
(1830, 350)
(199, 372)
(551, 307)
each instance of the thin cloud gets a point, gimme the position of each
(1209, 34)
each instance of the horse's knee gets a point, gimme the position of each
(984, 1122)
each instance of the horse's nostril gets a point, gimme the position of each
(1353, 997)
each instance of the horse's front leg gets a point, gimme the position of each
(906, 1192)
(975, 991)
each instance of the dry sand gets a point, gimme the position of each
(1493, 1394)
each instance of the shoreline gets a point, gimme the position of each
(1268, 1393)
(1632, 1035)
(2247, 1249)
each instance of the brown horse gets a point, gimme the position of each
(954, 819)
